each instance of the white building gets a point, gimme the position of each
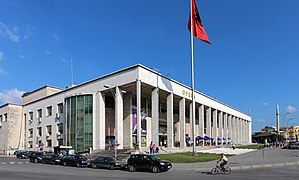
(133, 105)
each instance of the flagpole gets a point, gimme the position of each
(192, 78)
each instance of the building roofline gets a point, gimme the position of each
(133, 67)
(28, 93)
(7, 104)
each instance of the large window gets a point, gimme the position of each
(79, 122)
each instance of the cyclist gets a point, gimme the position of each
(223, 161)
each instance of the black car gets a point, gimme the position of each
(36, 157)
(75, 160)
(106, 162)
(51, 159)
(22, 155)
(147, 162)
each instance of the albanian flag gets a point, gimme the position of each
(197, 27)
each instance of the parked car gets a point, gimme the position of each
(75, 160)
(22, 154)
(293, 145)
(36, 157)
(106, 162)
(51, 159)
(147, 162)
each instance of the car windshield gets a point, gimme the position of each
(155, 158)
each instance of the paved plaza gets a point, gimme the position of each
(247, 159)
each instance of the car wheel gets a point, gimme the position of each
(64, 163)
(78, 165)
(111, 167)
(35, 160)
(155, 169)
(94, 166)
(132, 168)
(53, 163)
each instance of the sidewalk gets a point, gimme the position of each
(255, 159)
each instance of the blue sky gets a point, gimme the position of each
(252, 63)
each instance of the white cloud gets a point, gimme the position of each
(63, 60)
(2, 71)
(55, 36)
(8, 33)
(291, 109)
(265, 103)
(260, 120)
(11, 96)
(1, 55)
(22, 56)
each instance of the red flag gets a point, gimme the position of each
(198, 30)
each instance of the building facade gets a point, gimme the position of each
(135, 105)
(11, 128)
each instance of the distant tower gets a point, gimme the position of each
(277, 118)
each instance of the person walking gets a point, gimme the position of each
(151, 147)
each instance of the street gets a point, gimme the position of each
(15, 169)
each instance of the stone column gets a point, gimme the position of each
(138, 111)
(201, 121)
(99, 135)
(209, 123)
(250, 131)
(128, 121)
(233, 129)
(155, 116)
(170, 121)
(215, 131)
(225, 128)
(191, 122)
(221, 127)
(182, 117)
(119, 134)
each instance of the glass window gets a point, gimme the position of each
(5, 117)
(79, 122)
(30, 133)
(60, 108)
(1, 119)
(30, 115)
(39, 131)
(60, 128)
(39, 113)
(49, 111)
(49, 130)
(30, 144)
(49, 143)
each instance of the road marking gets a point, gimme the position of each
(12, 163)
(20, 162)
(3, 162)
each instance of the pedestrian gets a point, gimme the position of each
(234, 147)
(157, 149)
(151, 147)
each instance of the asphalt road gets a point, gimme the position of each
(31, 171)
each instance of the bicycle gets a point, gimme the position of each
(218, 169)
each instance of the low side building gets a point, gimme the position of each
(11, 128)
